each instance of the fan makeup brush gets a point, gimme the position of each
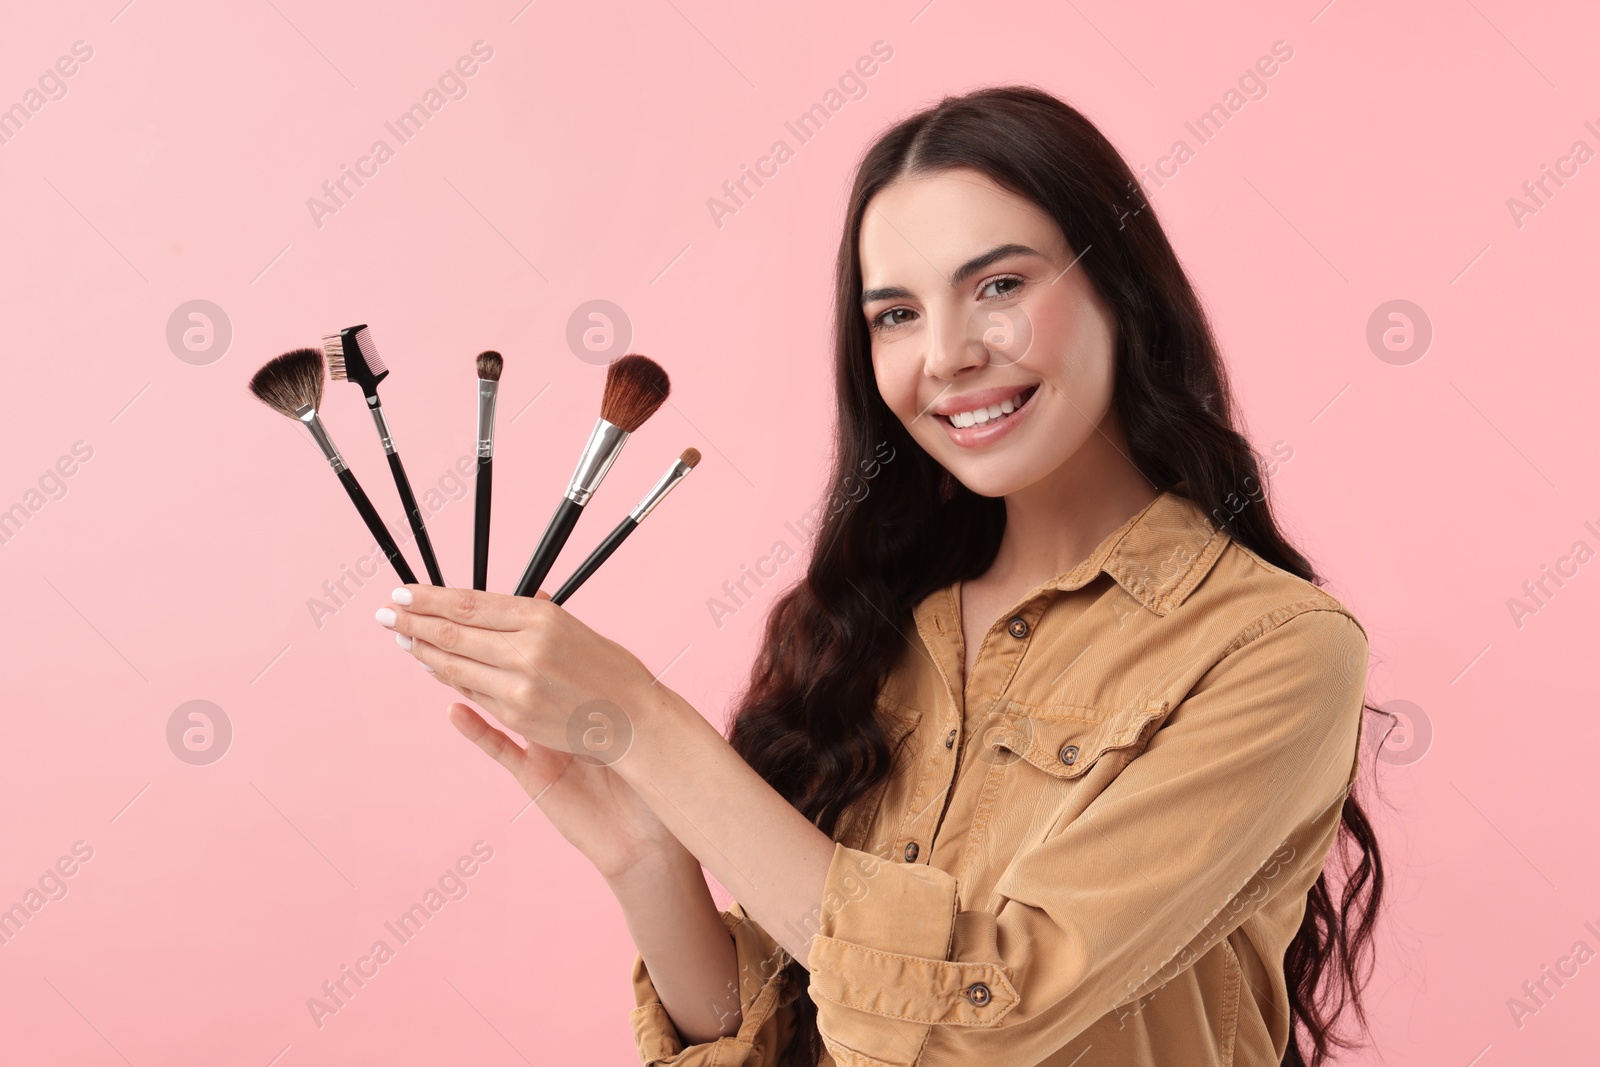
(635, 387)
(352, 356)
(675, 474)
(490, 364)
(291, 384)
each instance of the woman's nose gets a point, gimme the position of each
(953, 346)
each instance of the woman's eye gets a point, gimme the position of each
(888, 320)
(1011, 284)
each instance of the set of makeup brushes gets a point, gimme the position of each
(635, 388)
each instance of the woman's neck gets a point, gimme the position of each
(1054, 524)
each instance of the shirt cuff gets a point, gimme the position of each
(761, 963)
(882, 972)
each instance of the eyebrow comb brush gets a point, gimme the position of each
(630, 522)
(353, 356)
(635, 387)
(291, 384)
(490, 364)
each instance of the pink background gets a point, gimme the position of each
(179, 563)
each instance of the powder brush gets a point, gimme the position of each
(353, 356)
(291, 384)
(675, 474)
(635, 387)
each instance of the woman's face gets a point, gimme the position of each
(973, 303)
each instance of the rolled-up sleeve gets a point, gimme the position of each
(767, 1007)
(1233, 802)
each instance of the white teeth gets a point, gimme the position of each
(979, 416)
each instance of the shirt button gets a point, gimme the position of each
(911, 852)
(978, 993)
(950, 740)
(1069, 754)
(1018, 627)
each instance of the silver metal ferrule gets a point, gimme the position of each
(319, 433)
(383, 426)
(605, 442)
(663, 487)
(487, 392)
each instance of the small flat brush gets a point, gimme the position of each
(490, 364)
(352, 356)
(675, 474)
(291, 384)
(635, 387)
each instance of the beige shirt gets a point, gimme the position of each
(1097, 850)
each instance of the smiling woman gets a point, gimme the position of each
(1042, 759)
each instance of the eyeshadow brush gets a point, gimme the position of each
(630, 522)
(490, 364)
(635, 387)
(353, 356)
(291, 384)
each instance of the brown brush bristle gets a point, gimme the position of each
(290, 381)
(635, 387)
(333, 351)
(490, 364)
(691, 458)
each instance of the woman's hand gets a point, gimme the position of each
(589, 803)
(566, 689)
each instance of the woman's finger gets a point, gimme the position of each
(505, 751)
(528, 771)
(463, 672)
(488, 646)
(496, 709)
(472, 607)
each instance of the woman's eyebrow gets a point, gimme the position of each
(962, 273)
(972, 266)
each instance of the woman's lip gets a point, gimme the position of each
(991, 431)
(981, 398)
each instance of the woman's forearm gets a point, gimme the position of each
(686, 948)
(769, 856)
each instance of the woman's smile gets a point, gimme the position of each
(976, 420)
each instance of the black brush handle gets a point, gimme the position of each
(480, 523)
(408, 501)
(544, 557)
(597, 557)
(376, 526)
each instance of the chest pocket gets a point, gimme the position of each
(1067, 746)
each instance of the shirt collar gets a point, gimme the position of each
(1159, 556)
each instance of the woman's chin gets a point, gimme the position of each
(990, 482)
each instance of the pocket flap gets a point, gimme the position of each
(1066, 747)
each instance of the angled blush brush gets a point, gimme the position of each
(490, 364)
(352, 356)
(675, 474)
(291, 384)
(635, 387)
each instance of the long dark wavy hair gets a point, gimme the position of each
(805, 719)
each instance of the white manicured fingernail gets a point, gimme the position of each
(426, 667)
(401, 595)
(386, 616)
(403, 641)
